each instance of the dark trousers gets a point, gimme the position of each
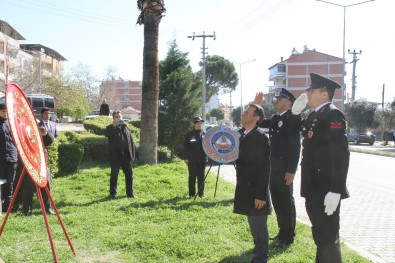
(325, 230)
(126, 165)
(7, 172)
(28, 190)
(283, 201)
(259, 232)
(196, 171)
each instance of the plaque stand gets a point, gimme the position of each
(216, 182)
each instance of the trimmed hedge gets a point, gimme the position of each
(70, 156)
(98, 126)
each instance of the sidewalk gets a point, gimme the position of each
(374, 238)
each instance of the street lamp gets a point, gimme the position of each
(344, 40)
(241, 84)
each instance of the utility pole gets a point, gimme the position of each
(354, 62)
(203, 64)
(382, 111)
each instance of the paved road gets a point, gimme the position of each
(368, 216)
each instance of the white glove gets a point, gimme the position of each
(299, 104)
(331, 202)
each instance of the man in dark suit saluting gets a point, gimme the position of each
(252, 187)
(325, 160)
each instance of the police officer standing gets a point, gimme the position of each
(195, 157)
(325, 160)
(285, 151)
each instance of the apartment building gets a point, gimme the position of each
(294, 72)
(9, 52)
(49, 60)
(29, 62)
(121, 93)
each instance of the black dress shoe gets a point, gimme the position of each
(112, 196)
(282, 244)
(131, 196)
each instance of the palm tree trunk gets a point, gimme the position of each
(150, 89)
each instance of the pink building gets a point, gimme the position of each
(294, 72)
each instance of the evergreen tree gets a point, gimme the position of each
(179, 99)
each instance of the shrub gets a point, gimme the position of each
(164, 154)
(70, 156)
(98, 126)
(69, 137)
(95, 148)
(53, 156)
(136, 123)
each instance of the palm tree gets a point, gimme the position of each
(150, 16)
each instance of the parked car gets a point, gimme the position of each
(93, 114)
(361, 137)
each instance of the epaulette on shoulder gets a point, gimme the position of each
(261, 130)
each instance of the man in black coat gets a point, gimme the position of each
(122, 153)
(104, 108)
(285, 150)
(252, 187)
(195, 157)
(8, 159)
(325, 160)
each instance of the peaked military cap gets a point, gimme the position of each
(197, 119)
(284, 93)
(318, 81)
(2, 106)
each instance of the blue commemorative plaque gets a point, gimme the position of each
(221, 144)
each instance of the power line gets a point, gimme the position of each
(71, 13)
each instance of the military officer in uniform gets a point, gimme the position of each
(195, 157)
(284, 159)
(325, 160)
(252, 173)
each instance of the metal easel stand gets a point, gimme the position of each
(216, 182)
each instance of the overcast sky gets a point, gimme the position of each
(103, 33)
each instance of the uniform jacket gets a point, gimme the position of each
(252, 172)
(325, 154)
(193, 147)
(8, 152)
(119, 139)
(284, 140)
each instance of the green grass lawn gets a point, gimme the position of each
(160, 225)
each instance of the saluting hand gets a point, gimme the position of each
(259, 98)
(299, 104)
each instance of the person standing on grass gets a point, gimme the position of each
(325, 161)
(8, 159)
(252, 174)
(122, 153)
(49, 133)
(195, 157)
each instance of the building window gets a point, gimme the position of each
(281, 68)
